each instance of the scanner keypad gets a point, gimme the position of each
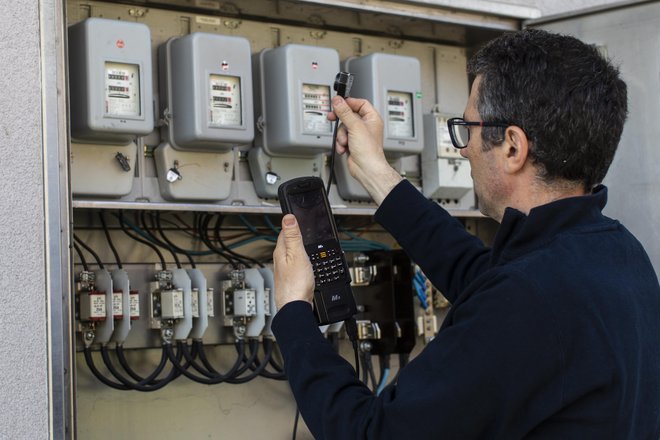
(328, 265)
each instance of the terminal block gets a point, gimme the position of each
(239, 303)
(166, 303)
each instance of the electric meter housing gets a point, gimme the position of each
(206, 91)
(392, 83)
(293, 86)
(110, 81)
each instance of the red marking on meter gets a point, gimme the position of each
(120, 44)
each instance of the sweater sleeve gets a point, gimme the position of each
(494, 360)
(449, 256)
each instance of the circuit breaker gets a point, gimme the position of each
(293, 86)
(392, 83)
(111, 103)
(206, 108)
(445, 173)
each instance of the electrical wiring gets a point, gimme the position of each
(383, 381)
(159, 227)
(268, 347)
(119, 351)
(252, 363)
(143, 241)
(240, 348)
(107, 237)
(155, 240)
(202, 230)
(81, 257)
(88, 249)
(332, 157)
(419, 284)
(147, 385)
(203, 380)
(218, 238)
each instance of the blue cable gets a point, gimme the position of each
(383, 381)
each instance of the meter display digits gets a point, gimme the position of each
(122, 89)
(400, 115)
(316, 106)
(225, 101)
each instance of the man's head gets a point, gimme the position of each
(569, 101)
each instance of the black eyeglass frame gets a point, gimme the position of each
(460, 121)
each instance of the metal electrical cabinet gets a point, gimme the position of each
(142, 302)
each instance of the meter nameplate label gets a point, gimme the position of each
(316, 106)
(117, 304)
(195, 303)
(209, 303)
(122, 89)
(225, 101)
(400, 115)
(134, 304)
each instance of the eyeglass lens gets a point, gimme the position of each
(462, 134)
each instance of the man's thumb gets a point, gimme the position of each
(292, 235)
(344, 112)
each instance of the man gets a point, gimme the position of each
(555, 330)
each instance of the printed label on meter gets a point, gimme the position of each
(316, 106)
(225, 101)
(122, 89)
(399, 115)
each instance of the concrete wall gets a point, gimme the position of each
(23, 353)
(630, 38)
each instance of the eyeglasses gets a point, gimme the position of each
(459, 130)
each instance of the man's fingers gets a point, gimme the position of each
(344, 112)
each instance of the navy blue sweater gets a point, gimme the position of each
(553, 333)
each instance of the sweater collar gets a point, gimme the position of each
(519, 233)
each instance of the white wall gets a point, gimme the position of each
(23, 351)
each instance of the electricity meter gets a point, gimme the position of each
(206, 92)
(110, 81)
(206, 104)
(392, 83)
(445, 173)
(293, 88)
(294, 85)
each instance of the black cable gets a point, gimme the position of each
(240, 348)
(81, 257)
(90, 364)
(107, 237)
(369, 366)
(145, 227)
(351, 330)
(159, 227)
(140, 386)
(258, 367)
(140, 240)
(202, 229)
(184, 369)
(332, 157)
(218, 238)
(94, 254)
(247, 362)
(295, 423)
(119, 350)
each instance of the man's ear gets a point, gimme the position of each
(516, 149)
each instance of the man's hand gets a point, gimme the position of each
(294, 278)
(361, 137)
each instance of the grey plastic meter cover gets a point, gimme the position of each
(110, 80)
(206, 90)
(293, 86)
(392, 83)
